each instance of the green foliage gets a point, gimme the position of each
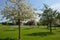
(38, 23)
(48, 15)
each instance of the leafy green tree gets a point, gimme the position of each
(48, 16)
(58, 18)
(19, 11)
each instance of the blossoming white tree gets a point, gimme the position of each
(19, 11)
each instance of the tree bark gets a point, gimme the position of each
(19, 28)
(50, 27)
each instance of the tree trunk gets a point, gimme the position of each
(19, 28)
(50, 27)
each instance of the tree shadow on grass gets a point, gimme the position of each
(42, 34)
(58, 31)
(8, 39)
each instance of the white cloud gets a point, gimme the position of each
(56, 6)
(38, 11)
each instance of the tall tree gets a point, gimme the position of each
(19, 11)
(48, 16)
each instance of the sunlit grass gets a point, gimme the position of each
(29, 33)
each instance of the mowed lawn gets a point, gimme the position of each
(28, 33)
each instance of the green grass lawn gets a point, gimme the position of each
(28, 33)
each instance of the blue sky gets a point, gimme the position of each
(38, 3)
(55, 4)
